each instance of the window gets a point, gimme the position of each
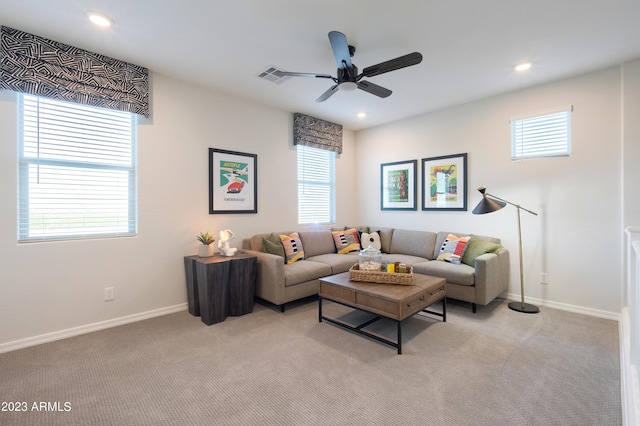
(546, 134)
(76, 171)
(316, 185)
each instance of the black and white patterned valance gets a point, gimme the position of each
(316, 133)
(38, 66)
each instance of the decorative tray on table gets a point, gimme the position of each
(401, 278)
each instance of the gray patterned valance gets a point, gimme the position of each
(316, 133)
(35, 65)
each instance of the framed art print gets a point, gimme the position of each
(233, 182)
(444, 183)
(398, 185)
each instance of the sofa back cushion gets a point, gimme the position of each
(386, 234)
(416, 243)
(317, 242)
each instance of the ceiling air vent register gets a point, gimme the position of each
(274, 75)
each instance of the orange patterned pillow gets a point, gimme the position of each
(453, 247)
(292, 248)
(346, 241)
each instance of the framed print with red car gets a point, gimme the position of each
(233, 182)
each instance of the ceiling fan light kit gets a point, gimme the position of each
(347, 86)
(348, 78)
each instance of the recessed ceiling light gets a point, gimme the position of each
(100, 19)
(362, 114)
(522, 66)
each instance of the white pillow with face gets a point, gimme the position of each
(372, 239)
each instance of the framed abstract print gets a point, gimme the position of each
(444, 183)
(398, 185)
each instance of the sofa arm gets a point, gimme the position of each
(270, 276)
(492, 275)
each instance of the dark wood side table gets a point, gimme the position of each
(220, 286)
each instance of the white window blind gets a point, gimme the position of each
(544, 134)
(77, 171)
(316, 185)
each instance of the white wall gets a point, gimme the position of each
(577, 236)
(54, 286)
(631, 142)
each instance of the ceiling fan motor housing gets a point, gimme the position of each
(347, 74)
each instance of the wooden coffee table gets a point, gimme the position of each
(396, 302)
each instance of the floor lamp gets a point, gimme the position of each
(490, 203)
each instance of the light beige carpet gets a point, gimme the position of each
(497, 367)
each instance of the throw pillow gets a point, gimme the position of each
(292, 248)
(372, 239)
(346, 241)
(272, 244)
(453, 246)
(478, 247)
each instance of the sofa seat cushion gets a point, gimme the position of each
(407, 259)
(338, 262)
(455, 274)
(303, 271)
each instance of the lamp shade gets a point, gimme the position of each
(488, 205)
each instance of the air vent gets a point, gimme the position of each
(273, 74)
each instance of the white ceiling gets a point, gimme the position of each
(469, 46)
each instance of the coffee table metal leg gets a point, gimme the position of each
(319, 309)
(399, 337)
(442, 314)
(444, 309)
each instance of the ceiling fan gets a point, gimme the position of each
(347, 75)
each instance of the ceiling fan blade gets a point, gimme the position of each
(326, 95)
(374, 89)
(340, 49)
(392, 65)
(300, 74)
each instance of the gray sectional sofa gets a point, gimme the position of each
(479, 284)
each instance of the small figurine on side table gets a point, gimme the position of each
(223, 243)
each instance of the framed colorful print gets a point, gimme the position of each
(398, 185)
(233, 182)
(444, 183)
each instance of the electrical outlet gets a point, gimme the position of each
(544, 278)
(108, 293)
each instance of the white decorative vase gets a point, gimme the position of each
(205, 250)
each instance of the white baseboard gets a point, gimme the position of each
(566, 307)
(89, 328)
